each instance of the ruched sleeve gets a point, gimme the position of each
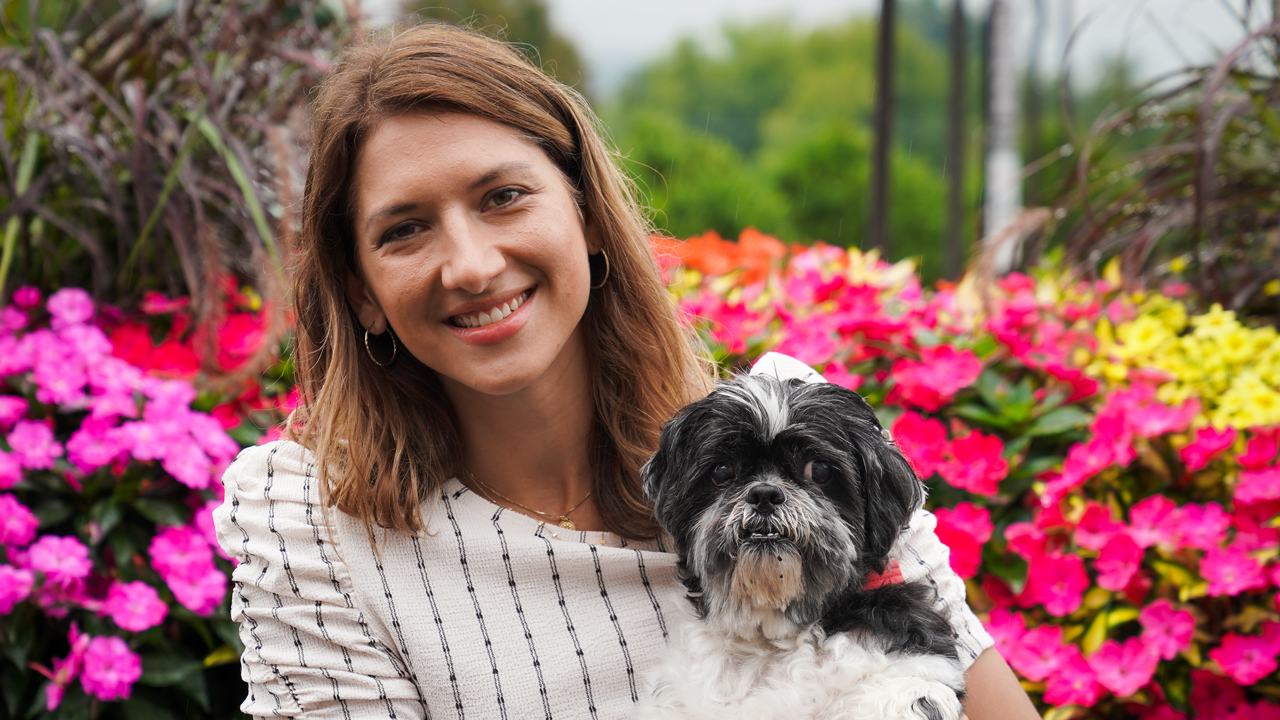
(310, 652)
(923, 558)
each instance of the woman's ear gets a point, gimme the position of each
(365, 304)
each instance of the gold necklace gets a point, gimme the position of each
(563, 521)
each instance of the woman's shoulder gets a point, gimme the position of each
(283, 466)
(268, 484)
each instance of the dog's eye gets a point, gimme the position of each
(722, 474)
(818, 472)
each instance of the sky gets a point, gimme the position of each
(617, 37)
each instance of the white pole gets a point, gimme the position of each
(1004, 161)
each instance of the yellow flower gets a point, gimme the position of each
(1141, 337)
(1215, 322)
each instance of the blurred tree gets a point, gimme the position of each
(524, 22)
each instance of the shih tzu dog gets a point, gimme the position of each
(784, 499)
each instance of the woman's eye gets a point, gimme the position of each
(506, 196)
(818, 471)
(722, 474)
(400, 232)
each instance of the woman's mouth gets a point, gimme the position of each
(492, 315)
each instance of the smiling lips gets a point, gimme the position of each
(491, 316)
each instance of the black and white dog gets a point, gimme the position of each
(784, 499)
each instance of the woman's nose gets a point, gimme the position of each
(472, 260)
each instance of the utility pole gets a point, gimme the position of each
(878, 230)
(956, 143)
(1004, 162)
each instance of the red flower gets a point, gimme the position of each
(1057, 582)
(964, 530)
(1260, 451)
(976, 464)
(923, 442)
(1027, 540)
(1124, 669)
(1208, 443)
(1096, 527)
(1117, 563)
(931, 382)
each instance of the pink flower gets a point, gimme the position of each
(1074, 682)
(964, 530)
(10, 471)
(976, 464)
(1096, 527)
(1258, 485)
(12, 409)
(1230, 571)
(17, 523)
(1252, 523)
(1208, 443)
(203, 522)
(1124, 669)
(200, 592)
(1086, 460)
(33, 445)
(931, 382)
(189, 465)
(1117, 563)
(731, 323)
(1166, 631)
(811, 340)
(15, 586)
(61, 559)
(180, 550)
(1150, 522)
(1156, 419)
(1260, 451)
(1246, 658)
(922, 440)
(1040, 652)
(1027, 540)
(840, 375)
(69, 306)
(134, 606)
(96, 443)
(110, 668)
(1007, 629)
(64, 669)
(1057, 582)
(1201, 526)
(26, 297)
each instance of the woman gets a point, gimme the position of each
(486, 354)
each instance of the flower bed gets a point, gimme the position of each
(1102, 464)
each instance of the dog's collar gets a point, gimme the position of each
(892, 575)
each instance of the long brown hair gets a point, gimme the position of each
(386, 437)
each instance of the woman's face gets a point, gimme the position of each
(471, 248)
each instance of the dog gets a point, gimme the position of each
(784, 498)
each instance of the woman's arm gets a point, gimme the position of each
(994, 691)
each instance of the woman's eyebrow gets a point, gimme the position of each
(390, 211)
(498, 171)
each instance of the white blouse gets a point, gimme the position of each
(492, 614)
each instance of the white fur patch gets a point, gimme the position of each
(768, 578)
(769, 406)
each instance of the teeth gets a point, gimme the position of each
(492, 316)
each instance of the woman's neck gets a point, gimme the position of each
(530, 447)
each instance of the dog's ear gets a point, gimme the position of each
(654, 475)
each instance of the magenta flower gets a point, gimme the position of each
(964, 530)
(1086, 460)
(1252, 522)
(1040, 653)
(200, 592)
(1124, 669)
(203, 522)
(110, 668)
(1007, 629)
(1057, 582)
(33, 445)
(1258, 485)
(839, 374)
(180, 550)
(1027, 540)
(1074, 682)
(1118, 563)
(922, 440)
(12, 409)
(1155, 419)
(1230, 571)
(931, 382)
(1207, 444)
(1096, 527)
(26, 297)
(976, 464)
(64, 669)
(134, 606)
(61, 559)
(1247, 658)
(15, 586)
(1260, 451)
(69, 306)
(1166, 631)
(1201, 526)
(1216, 696)
(1151, 522)
(188, 465)
(10, 470)
(96, 443)
(17, 523)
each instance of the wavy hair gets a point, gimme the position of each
(386, 438)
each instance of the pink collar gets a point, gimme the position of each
(891, 576)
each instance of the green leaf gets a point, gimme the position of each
(1060, 420)
(979, 414)
(168, 669)
(224, 655)
(925, 337)
(26, 168)
(984, 347)
(161, 512)
(214, 136)
(993, 388)
(1096, 634)
(53, 511)
(107, 514)
(1120, 616)
(197, 688)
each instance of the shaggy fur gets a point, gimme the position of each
(782, 498)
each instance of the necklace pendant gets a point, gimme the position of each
(567, 524)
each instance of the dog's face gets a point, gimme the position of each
(779, 494)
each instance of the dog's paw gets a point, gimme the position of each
(938, 702)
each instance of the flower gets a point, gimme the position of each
(1096, 527)
(1057, 582)
(200, 591)
(15, 586)
(1230, 571)
(1208, 443)
(1039, 652)
(1074, 682)
(176, 550)
(1025, 539)
(61, 559)
(1201, 526)
(69, 306)
(110, 668)
(1246, 658)
(1260, 451)
(922, 440)
(1118, 563)
(1124, 669)
(17, 523)
(1258, 485)
(64, 669)
(1007, 629)
(10, 470)
(1166, 631)
(941, 372)
(1215, 696)
(964, 530)
(976, 463)
(134, 606)
(26, 297)
(33, 445)
(1150, 522)
(11, 410)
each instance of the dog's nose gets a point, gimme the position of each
(764, 497)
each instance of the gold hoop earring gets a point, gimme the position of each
(604, 279)
(394, 349)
